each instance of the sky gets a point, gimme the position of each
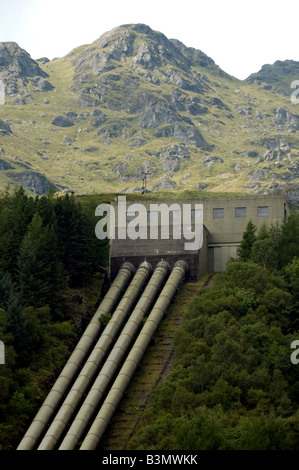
(240, 36)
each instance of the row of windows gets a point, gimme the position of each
(240, 212)
(218, 213)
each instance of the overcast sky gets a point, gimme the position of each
(240, 36)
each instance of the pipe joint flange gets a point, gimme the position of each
(129, 266)
(163, 264)
(146, 264)
(182, 264)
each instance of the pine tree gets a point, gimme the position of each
(16, 214)
(76, 240)
(288, 246)
(39, 269)
(30, 267)
(16, 325)
(7, 289)
(45, 208)
(249, 237)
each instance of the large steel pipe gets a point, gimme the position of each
(115, 358)
(125, 375)
(75, 361)
(91, 366)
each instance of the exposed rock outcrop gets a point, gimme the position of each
(4, 128)
(272, 76)
(186, 134)
(171, 156)
(17, 68)
(210, 160)
(4, 165)
(276, 149)
(285, 119)
(133, 103)
(153, 117)
(164, 183)
(34, 181)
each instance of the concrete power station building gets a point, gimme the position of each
(224, 220)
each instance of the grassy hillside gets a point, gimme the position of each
(137, 103)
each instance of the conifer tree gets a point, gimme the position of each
(76, 240)
(249, 237)
(39, 269)
(7, 289)
(15, 217)
(288, 246)
(16, 325)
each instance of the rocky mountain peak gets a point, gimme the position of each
(135, 45)
(17, 67)
(139, 46)
(128, 68)
(277, 76)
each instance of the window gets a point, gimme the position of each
(262, 211)
(240, 212)
(218, 213)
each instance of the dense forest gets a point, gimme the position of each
(49, 254)
(233, 385)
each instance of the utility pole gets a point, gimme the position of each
(143, 189)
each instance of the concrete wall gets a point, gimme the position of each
(219, 256)
(224, 219)
(231, 227)
(154, 251)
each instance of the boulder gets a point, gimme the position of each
(5, 128)
(4, 165)
(210, 160)
(42, 85)
(201, 186)
(252, 154)
(62, 121)
(19, 102)
(43, 60)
